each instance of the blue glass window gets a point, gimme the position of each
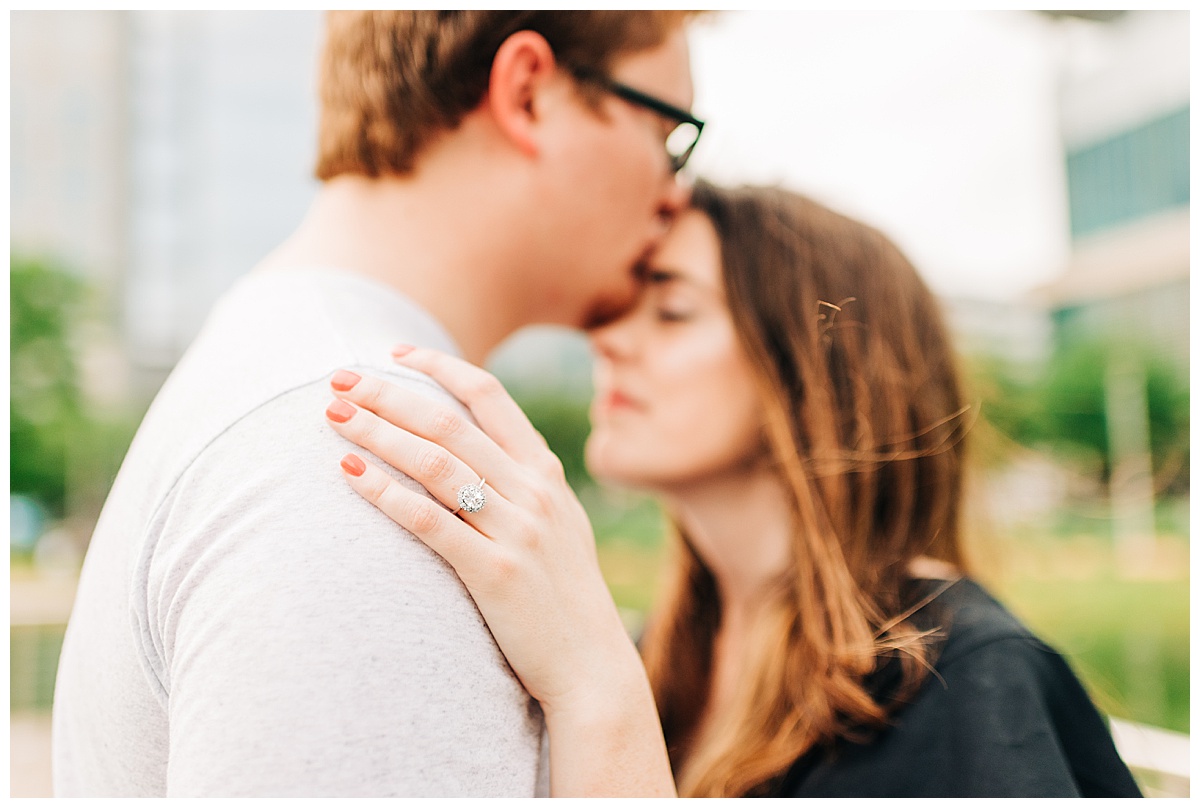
(1135, 173)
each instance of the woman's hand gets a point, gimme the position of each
(528, 556)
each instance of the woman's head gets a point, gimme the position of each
(773, 329)
(855, 372)
(676, 401)
(837, 374)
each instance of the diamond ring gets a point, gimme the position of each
(471, 497)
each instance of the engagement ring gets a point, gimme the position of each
(471, 497)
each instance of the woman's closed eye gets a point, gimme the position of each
(674, 315)
(675, 296)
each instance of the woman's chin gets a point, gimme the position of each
(608, 464)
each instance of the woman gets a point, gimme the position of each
(786, 386)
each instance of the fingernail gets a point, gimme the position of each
(340, 411)
(402, 350)
(353, 465)
(343, 380)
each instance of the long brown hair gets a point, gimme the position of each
(865, 423)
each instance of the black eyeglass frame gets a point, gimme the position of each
(641, 99)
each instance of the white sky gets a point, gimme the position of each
(938, 127)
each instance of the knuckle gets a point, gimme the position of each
(445, 424)
(421, 516)
(543, 499)
(505, 571)
(552, 467)
(527, 534)
(364, 428)
(486, 386)
(369, 392)
(434, 464)
(377, 488)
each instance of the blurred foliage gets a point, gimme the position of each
(1060, 408)
(563, 421)
(616, 515)
(64, 450)
(46, 404)
(33, 663)
(1127, 640)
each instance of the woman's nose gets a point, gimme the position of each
(615, 339)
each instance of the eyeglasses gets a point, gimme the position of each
(683, 137)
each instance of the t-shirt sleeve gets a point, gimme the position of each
(304, 644)
(1016, 715)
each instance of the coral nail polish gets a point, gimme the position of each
(402, 350)
(340, 411)
(343, 380)
(353, 465)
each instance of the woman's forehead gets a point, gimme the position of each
(690, 253)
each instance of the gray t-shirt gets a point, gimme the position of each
(245, 623)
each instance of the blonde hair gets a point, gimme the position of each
(865, 424)
(391, 80)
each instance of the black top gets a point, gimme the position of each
(1003, 717)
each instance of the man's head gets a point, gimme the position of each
(392, 80)
(540, 99)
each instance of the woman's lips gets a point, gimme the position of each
(617, 400)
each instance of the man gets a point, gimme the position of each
(245, 623)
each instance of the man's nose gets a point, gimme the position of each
(675, 198)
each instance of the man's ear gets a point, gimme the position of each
(523, 65)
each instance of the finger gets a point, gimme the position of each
(462, 546)
(483, 394)
(433, 466)
(423, 416)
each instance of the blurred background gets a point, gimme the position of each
(1034, 165)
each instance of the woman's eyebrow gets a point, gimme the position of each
(658, 277)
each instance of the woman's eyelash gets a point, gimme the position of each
(667, 315)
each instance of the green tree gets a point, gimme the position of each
(563, 421)
(46, 404)
(1074, 406)
(1009, 407)
(1062, 407)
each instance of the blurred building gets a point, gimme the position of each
(1124, 115)
(68, 107)
(1124, 118)
(163, 153)
(160, 154)
(1017, 331)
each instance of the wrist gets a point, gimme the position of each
(606, 739)
(614, 682)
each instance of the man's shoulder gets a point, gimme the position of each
(262, 515)
(281, 455)
(264, 562)
(264, 354)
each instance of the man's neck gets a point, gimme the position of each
(433, 241)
